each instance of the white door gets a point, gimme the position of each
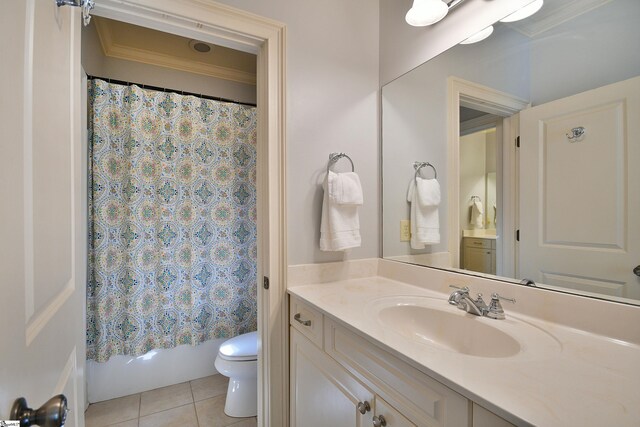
(580, 200)
(42, 207)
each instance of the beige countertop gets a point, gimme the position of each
(561, 377)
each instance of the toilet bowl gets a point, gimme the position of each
(238, 360)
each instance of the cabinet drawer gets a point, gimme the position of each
(306, 319)
(418, 397)
(473, 242)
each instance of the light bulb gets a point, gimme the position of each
(524, 12)
(426, 12)
(479, 36)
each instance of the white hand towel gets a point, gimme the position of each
(428, 192)
(477, 213)
(340, 225)
(425, 222)
(344, 188)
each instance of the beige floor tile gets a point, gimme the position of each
(205, 388)
(112, 411)
(165, 398)
(183, 416)
(251, 422)
(211, 413)
(130, 423)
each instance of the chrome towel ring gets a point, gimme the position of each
(334, 157)
(419, 165)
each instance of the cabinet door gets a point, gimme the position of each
(323, 393)
(478, 259)
(391, 415)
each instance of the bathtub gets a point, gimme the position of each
(124, 375)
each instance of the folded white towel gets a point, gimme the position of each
(344, 188)
(340, 225)
(428, 192)
(476, 213)
(425, 222)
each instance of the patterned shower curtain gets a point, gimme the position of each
(172, 233)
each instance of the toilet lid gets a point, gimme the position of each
(240, 348)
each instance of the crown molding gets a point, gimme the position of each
(115, 50)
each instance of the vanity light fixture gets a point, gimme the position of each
(426, 12)
(524, 12)
(479, 36)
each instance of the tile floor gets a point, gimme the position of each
(197, 403)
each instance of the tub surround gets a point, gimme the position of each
(590, 378)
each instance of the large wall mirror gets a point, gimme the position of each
(534, 134)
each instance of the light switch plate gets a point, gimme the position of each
(405, 230)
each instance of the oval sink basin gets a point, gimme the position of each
(449, 331)
(435, 323)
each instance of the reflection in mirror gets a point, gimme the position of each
(574, 199)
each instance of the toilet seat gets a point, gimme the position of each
(241, 348)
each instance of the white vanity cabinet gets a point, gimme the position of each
(347, 381)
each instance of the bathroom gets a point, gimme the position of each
(339, 58)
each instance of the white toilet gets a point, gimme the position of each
(238, 360)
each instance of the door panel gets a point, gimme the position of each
(579, 199)
(43, 245)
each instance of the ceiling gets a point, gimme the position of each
(131, 42)
(554, 13)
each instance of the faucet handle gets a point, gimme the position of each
(498, 297)
(495, 310)
(463, 289)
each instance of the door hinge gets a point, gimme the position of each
(518, 141)
(265, 282)
(517, 235)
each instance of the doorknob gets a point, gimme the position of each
(636, 271)
(52, 414)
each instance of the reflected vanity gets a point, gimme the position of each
(535, 136)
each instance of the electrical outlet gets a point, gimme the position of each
(405, 230)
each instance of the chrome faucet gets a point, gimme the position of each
(461, 299)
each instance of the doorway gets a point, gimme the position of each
(228, 27)
(46, 64)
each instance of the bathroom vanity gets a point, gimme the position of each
(375, 350)
(362, 384)
(479, 253)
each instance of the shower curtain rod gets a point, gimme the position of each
(162, 89)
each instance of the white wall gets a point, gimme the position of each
(95, 63)
(332, 105)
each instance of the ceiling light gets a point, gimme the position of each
(479, 36)
(426, 12)
(524, 12)
(200, 47)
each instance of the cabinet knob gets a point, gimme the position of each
(379, 421)
(364, 407)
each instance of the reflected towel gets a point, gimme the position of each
(425, 222)
(428, 192)
(476, 213)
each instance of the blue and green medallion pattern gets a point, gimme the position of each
(172, 233)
